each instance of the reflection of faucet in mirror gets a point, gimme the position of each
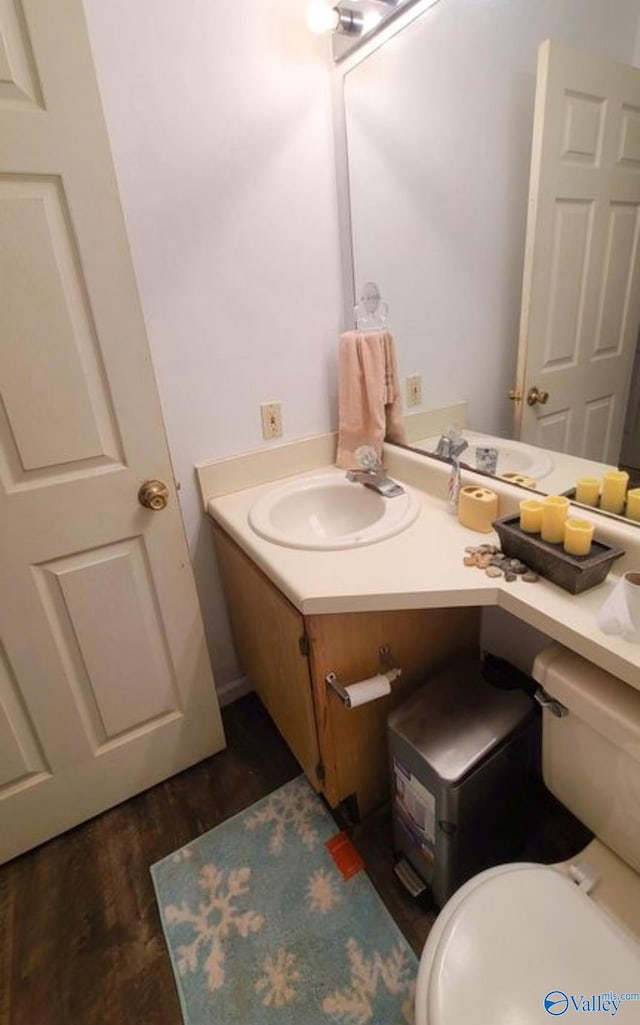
(451, 444)
(439, 137)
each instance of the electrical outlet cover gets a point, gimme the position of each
(271, 414)
(414, 390)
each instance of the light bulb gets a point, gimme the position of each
(322, 17)
(371, 20)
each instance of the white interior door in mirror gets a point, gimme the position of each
(105, 683)
(581, 287)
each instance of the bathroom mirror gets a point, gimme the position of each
(438, 137)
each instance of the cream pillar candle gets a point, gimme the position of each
(531, 515)
(578, 535)
(614, 487)
(587, 490)
(633, 504)
(554, 512)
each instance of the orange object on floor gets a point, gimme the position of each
(346, 857)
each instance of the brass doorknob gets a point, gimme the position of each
(536, 394)
(153, 494)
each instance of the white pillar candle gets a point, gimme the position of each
(614, 487)
(554, 513)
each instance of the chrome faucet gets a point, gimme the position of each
(375, 477)
(451, 444)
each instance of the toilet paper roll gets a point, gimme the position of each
(620, 614)
(368, 690)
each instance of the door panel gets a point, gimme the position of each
(102, 611)
(105, 683)
(19, 86)
(569, 259)
(22, 762)
(55, 394)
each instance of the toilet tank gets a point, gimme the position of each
(591, 756)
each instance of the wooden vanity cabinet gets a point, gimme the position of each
(287, 656)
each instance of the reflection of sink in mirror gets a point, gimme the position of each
(513, 456)
(327, 511)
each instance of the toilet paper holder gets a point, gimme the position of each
(388, 668)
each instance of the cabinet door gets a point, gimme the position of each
(267, 630)
(353, 741)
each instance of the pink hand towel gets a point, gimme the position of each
(368, 395)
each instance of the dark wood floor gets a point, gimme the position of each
(80, 937)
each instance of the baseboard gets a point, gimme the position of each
(233, 690)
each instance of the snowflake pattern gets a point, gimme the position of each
(278, 981)
(213, 921)
(290, 808)
(322, 892)
(182, 855)
(354, 1005)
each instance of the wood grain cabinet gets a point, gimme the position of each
(287, 656)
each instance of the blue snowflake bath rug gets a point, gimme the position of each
(263, 929)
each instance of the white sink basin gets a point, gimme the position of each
(513, 456)
(326, 511)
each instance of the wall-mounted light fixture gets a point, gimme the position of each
(322, 17)
(351, 21)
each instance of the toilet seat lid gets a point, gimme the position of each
(523, 940)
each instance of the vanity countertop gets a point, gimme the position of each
(423, 568)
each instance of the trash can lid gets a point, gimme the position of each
(455, 720)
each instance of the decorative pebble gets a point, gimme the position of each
(496, 564)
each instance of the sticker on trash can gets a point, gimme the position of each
(415, 803)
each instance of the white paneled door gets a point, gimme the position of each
(581, 290)
(105, 683)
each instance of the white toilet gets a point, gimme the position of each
(526, 943)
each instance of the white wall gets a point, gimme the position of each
(220, 123)
(508, 637)
(439, 124)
